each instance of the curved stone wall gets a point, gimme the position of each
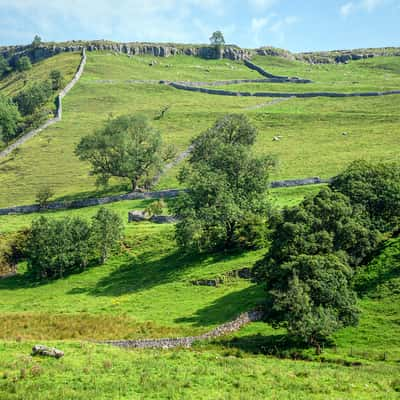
(168, 343)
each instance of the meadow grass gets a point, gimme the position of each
(312, 130)
(66, 63)
(100, 372)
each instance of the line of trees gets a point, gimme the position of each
(54, 248)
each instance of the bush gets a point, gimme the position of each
(63, 246)
(4, 67)
(35, 96)
(376, 189)
(9, 118)
(155, 208)
(44, 194)
(56, 79)
(23, 64)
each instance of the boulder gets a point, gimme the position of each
(40, 350)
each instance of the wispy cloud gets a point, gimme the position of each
(262, 4)
(346, 9)
(362, 5)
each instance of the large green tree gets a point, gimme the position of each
(225, 205)
(311, 297)
(126, 147)
(308, 268)
(218, 41)
(107, 230)
(375, 187)
(9, 118)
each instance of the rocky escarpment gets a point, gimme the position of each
(132, 49)
(329, 57)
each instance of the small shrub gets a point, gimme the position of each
(44, 194)
(155, 208)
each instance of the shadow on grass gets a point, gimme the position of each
(226, 308)
(146, 271)
(108, 191)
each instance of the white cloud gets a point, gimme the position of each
(362, 5)
(346, 9)
(258, 23)
(371, 5)
(125, 20)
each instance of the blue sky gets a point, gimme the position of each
(292, 24)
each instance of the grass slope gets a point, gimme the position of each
(312, 129)
(145, 292)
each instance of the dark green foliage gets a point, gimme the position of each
(217, 39)
(126, 147)
(4, 67)
(307, 272)
(56, 247)
(56, 79)
(12, 248)
(9, 118)
(311, 297)
(374, 187)
(35, 96)
(37, 41)
(225, 206)
(324, 224)
(23, 64)
(107, 231)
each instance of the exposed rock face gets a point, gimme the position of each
(132, 49)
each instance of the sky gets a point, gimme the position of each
(291, 24)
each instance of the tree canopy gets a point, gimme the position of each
(9, 118)
(225, 205)
(375, 187)
(126, 147)
(217, 39)
(23, 64)
(33, 97)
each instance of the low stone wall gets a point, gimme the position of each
(169, 193)
(221, 92)
(278, 78)
(168, 343)
(299, 182)
(52, 121)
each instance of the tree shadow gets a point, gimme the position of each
(279, 345)
(226, 308)
(146, 271)
(108, 191)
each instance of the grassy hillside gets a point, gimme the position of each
(146, 292)
(66, 63)
(313, 143)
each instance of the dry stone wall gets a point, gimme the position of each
(170, 193)
(168, 343)
(58, 114)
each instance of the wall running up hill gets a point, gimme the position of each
(58, 114)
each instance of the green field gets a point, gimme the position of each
(146, 290)
(313, 143)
